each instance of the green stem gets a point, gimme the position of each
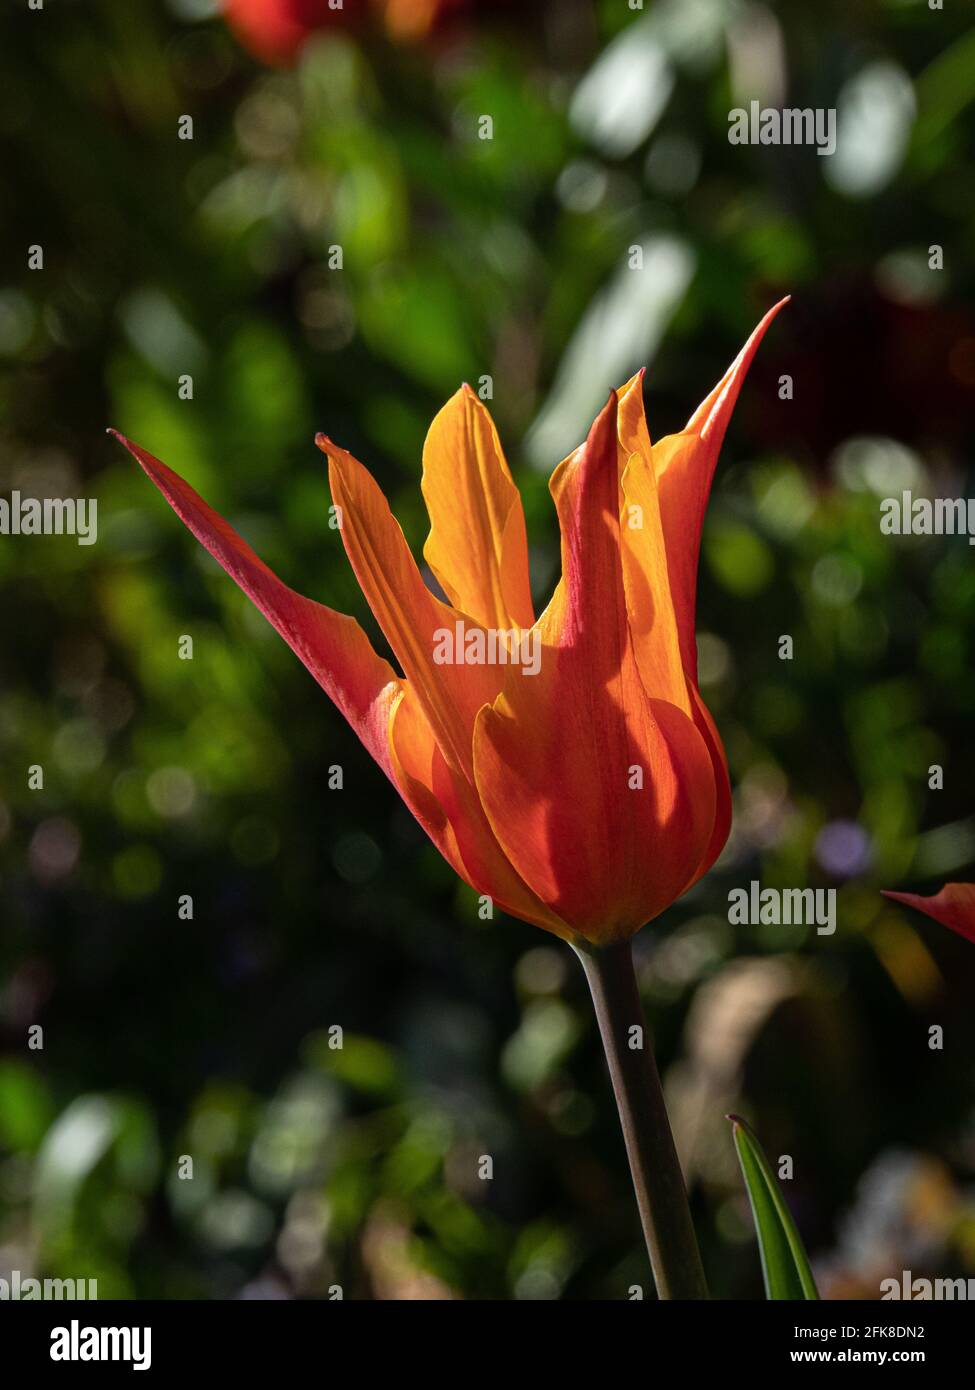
(657, 1178)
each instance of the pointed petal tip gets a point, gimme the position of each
(953, 906)
(908, 899)
(322, 441)
(146, 461)
(912, 899)
(466, 390)
(771, 312)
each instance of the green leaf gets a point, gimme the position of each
(785, 1265)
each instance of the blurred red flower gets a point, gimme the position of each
(275, 30)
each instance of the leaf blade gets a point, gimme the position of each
(785, 1265)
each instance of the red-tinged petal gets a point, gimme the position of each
(953, 907)
(650, 603)
(555, 756)
(477, 546)
(333, 646)
(411, 617)
(446, 806)
(684, 465)
(486, 867)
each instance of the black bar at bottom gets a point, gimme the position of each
(302, 1341)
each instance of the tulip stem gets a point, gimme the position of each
(657, 1179)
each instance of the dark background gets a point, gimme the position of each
(464, 257)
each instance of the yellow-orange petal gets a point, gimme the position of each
(412, 747)
(477, 546)
(332, 645)
(602, 799)
(411, 617)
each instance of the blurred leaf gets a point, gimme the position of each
(363, 1063)
(92, 1130)
(25, 1107)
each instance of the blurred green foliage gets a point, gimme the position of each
(464, 258)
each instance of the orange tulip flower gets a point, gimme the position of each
(583, 792)
(953, 907)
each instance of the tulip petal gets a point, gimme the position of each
(555, 753)
(411, 617)
(447, 807)
(654, 627)
(486, 866)
(646, 576)
(684, 464)
(477, 546)
(953, 907)
(332, 645)
(719, 766)
(412, 747)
